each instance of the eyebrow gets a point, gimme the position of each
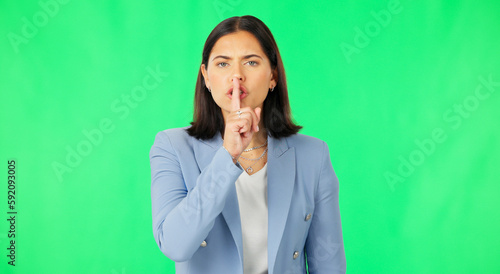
(244, 57)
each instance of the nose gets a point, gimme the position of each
(238, 74)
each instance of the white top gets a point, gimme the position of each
(252, 200)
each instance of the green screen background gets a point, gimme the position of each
(408, 104)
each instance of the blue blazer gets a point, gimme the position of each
(196, 219)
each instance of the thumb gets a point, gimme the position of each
(257, 112)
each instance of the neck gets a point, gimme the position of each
(258, 138)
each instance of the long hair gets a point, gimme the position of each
(276, 112)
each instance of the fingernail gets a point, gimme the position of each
(257, 128)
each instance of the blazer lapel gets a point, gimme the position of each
(204, 151)
(281, 180)
(280, 183)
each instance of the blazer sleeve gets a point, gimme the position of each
(182, 219)
(324, 243)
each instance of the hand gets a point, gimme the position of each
(239, 131)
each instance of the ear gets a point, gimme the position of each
(205, 75)
(274, 78)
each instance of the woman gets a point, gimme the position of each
(240, 191)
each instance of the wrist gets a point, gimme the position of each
(235, 158)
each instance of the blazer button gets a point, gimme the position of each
(203, 244)
(295, 255)
(308, 217)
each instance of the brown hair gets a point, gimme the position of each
(276, 112)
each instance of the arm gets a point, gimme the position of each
(182, 219)
(324, 244)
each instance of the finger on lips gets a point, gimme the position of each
(235, 101)
(236, 105)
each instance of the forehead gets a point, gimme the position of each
(237, 43)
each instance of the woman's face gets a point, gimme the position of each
(238, 55)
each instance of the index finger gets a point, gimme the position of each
(235, 100)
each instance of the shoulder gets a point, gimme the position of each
(306, 143)
(174, 136)
(311, 152)
(179, 132)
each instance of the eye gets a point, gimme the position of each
(222, 64)
(253, 63)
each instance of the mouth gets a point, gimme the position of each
(243, 93)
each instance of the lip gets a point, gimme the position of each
(242, 95)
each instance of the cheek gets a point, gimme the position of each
(263, 95)
(219, 95)
(216, 79)
(265, 77)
